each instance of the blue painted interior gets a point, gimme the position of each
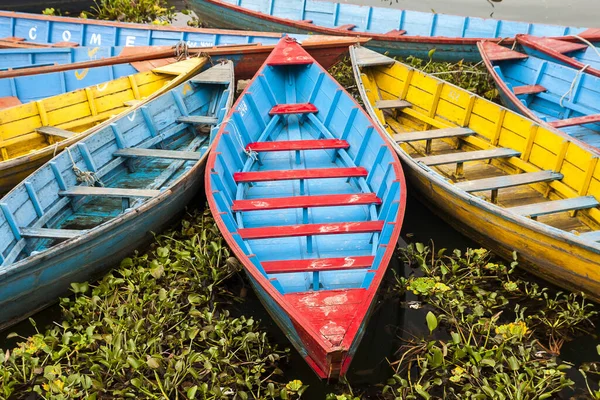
(383, 20)
(589, 56)
(582, 99)
(152, 126)
(337, 117)
(25, 58)
(90, 34)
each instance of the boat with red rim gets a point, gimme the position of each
(393, 31)
(310, 196)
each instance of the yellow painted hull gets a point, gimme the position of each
(553, 247)
(23, 149)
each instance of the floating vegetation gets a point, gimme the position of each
(492, 334)
(156, 327)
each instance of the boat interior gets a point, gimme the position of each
(304, 184)
(116, 169)
(484, 149)
(43, 123)
(562, 96)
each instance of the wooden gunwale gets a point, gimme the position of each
(441, 194)
(146, 53)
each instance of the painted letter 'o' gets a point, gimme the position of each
(66, 36)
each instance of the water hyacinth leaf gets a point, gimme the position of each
(191, 392)
(513, 363)
(153, 362)
(137, 382)
(162, 252)
(489, 362)
(420, 247)
(432, 321)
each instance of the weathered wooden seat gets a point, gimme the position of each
(556, 206)
(429, 135)
(528, 89)
(317, 265)
(47, 233)
(328, 200)
(316, 173)
(107, 192)
(584, 119)
(506, 181)
(593, 236)
(347, 27)
(158, 153)
(465, 156)
(198, 120)
(270, 232)
(54, 131)
(392, 104)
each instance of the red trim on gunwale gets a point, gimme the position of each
(554, 49)
(325, 359)
(309, 27)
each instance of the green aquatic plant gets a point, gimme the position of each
(480, 348)
(158, 326)
(157, 12)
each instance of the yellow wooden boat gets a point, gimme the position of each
(500, 178)
(30, 134)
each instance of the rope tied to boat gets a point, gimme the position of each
(88, 177)
(590, 44)
(249, 152)
(568, 92)
(182, 51)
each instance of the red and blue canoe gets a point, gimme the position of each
(310, 196)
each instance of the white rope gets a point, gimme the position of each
(568, 92)
(588, 43)
(250, 153)
(87, 177)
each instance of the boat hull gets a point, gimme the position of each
(446, 48)
(40, 280)
(541, 253)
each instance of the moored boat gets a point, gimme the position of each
(247, 58)
(550, 93)
(505, 181)
(398, 32)
(91, 205)
(310, 197)
(30, 134)
(22, 29)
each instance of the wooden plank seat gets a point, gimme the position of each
(506, 181)
(289, 174)
(528, 89)
(432, 134)
(290, 145)
(346, 27)
(327, 200)
(158, 153)
(556, 206)
(296, 108)
(395, 32)
(131, 103)
(108, 192)
(54, 131)
(198, 119)
(593, 236)
(392, 104)
(496, 52)
(270, 232)
(47, 233)
(584, 119)
(317, 265)
(465, 156)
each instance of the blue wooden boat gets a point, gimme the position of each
(19, 29)
(28, 57)
(576, 55)
(397, 32)
(91, 205)
(547, 92)
(310, 197)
